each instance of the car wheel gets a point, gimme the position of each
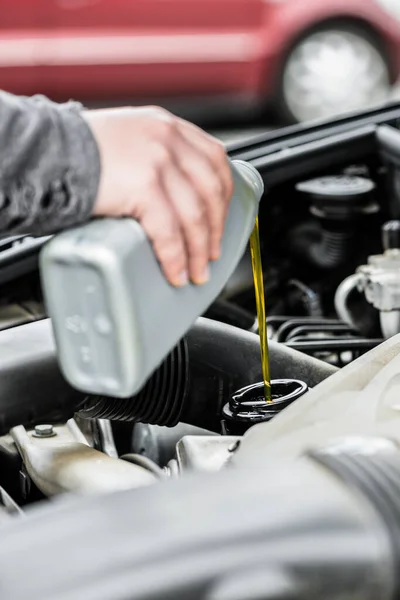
(333, 71)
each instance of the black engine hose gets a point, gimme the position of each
(324, 246)
(200, 376)
(191, 385)
(333, 249)
(231, 314)
(311, 299)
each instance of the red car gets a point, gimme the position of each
(311, 58)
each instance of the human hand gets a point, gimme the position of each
(170, 176)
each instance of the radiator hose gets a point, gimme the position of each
(193, 383)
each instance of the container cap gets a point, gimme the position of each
(251, 175)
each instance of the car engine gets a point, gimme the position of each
(193, 488)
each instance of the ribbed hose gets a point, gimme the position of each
(333, 249)
(377, 477)
(200, 376)
(191, 385)
(325, 245)
(160, 401)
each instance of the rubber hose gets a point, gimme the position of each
(215, 360)
(191, 385)
(332, 251)
(231, 314)
(342, 295)
(352, 307)
(311, 299)
(323, 246)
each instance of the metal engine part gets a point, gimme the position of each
(59, 460)
(159, 443)
(205, 453)
(379, 280)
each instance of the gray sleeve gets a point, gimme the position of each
(49, 165)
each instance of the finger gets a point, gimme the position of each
(215, 152)
(162, 228)
(191, 214)
(199, 172)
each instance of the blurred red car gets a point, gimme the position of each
(312, 58)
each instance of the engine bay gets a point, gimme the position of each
(174, 479)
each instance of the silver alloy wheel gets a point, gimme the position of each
(334, 71)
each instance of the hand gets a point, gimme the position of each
(171, 177)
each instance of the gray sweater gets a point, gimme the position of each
(49, 165)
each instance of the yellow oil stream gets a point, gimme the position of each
(260, 303)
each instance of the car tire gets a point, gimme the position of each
(333, 70)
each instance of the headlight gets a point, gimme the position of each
(392, 7)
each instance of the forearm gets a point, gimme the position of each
(49, 165)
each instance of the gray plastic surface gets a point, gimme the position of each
(115, 317)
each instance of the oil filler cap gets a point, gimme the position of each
(248, 407)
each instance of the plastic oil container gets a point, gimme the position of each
(114, 315)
